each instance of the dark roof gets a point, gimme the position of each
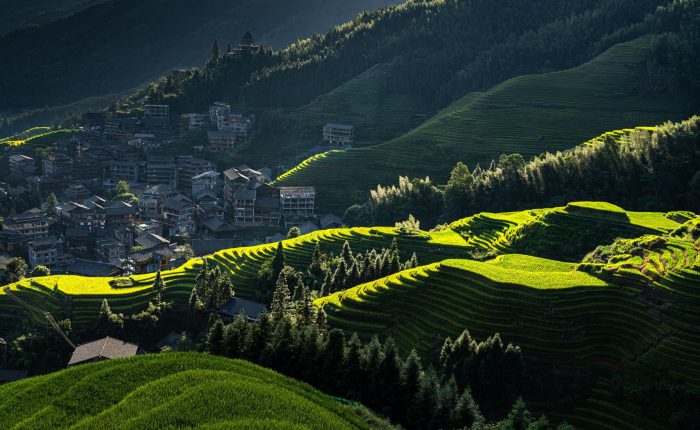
(216, 225)
(341, 126)
(150, 240)
(177, 203)
(244, 194)
(120, 208)
(209, 246)
(160, 189)
(235, 306)
(209, 174)
(89, 268)
(106, 348)
(12, 375)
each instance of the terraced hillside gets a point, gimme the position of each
(84, 295)
(538, 230)
(611, 327)
(527, 114)
(361, 101)
(171, 391)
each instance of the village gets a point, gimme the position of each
(114, 202)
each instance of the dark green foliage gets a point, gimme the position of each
(90, 53)
(643, 171)
(40, 271)
(213, 289)
(376, 374)
(15, 269)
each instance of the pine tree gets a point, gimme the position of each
(411, 374)
(215, 52)
(215, 338)
(346, 254)
(466, 413)
(158, 288)
(278, 262)
(280, 299)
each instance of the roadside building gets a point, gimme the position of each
(221, 142)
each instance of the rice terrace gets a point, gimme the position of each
(377, 214)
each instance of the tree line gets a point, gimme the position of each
(469, 383)
(328, 273)
(647, 170)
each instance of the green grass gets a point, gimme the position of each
(170, 390)
(528, 114)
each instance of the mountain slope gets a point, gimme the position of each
(126, 42)
(607, 338)
(170, 390)
(528, 115)
(19, 13)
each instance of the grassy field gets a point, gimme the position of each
(170, 390)
(633, 316)
(528, 114)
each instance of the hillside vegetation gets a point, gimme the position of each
(613, 336)
(118, 45)
(540, 233)
(171, 390)
(527, 115)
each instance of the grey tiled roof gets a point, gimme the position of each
(106, 348)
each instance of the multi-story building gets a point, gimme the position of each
(178, 214)
(57, 165)
(87, 168)
(234, 180)
(157, 112)
(189, 167)
(338, 135)
(161, 170)
(45, 185)
(152, 199)
(22, 166)
(32, 224)
(218, 109)
(298, 201)
(47, 251)
(244, 206)
(221, 142)
(193, 121)
(207, 181)
(117, 129)
(130, 171)
(267, 205)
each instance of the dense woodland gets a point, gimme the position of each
(116, 46)
(657, 170)
(439, 50)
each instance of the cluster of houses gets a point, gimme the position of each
(173, 196)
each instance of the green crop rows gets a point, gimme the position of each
(170, 390)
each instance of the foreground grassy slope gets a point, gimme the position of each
(540, 232)
(528, 114)
(632, 316)
(168, 391)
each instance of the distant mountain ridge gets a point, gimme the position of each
(20, 13)
(117, 45)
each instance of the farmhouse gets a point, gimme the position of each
(22, 166)
(103, 349)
